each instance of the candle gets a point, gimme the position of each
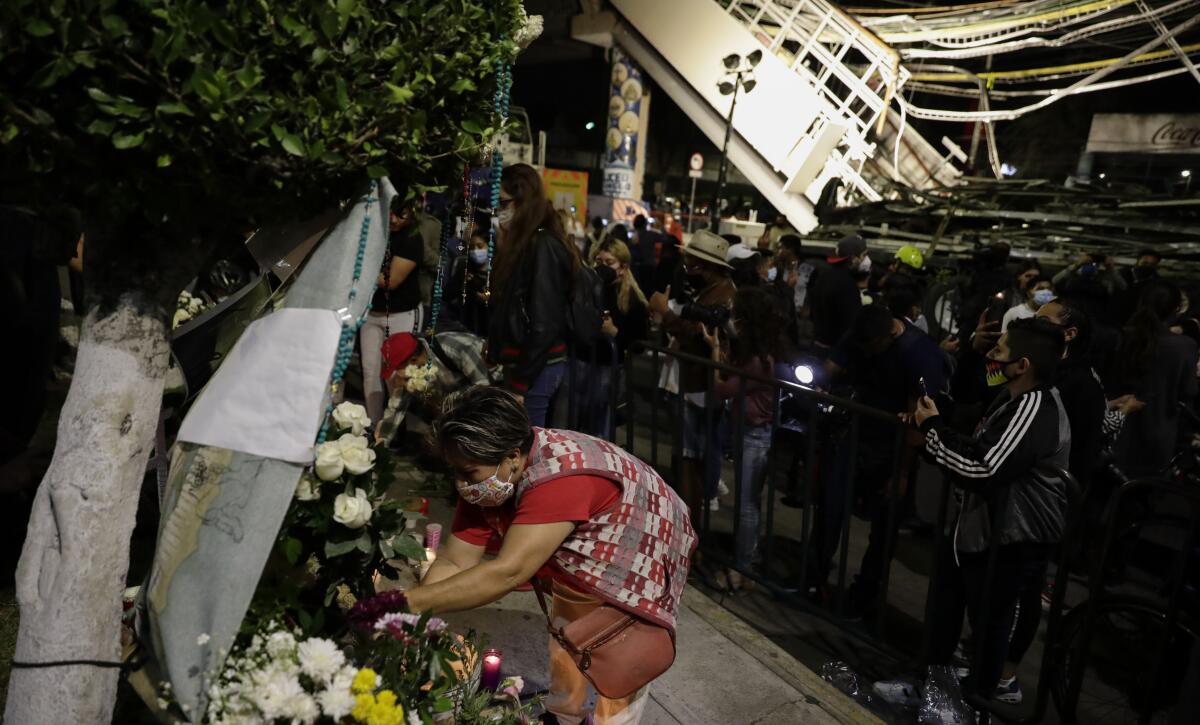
(489, 678)
(430, 557)
(433, 536)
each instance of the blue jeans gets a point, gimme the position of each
(592, 395)
(756, 447)
(541, 393)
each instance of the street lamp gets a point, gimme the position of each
(739, 73)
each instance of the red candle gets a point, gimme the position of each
(489, 678)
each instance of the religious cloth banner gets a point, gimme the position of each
(224, 503)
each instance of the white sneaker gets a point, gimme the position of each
(1009, 691)
(714, 504)
(722, 489)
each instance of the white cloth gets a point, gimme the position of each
(266, 397)
(1020, 312)
(371, 337)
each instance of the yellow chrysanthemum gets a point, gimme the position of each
(386, 698)
(364, 681)
(364, 706)
(386, 715)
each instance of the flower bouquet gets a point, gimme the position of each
(187, 307)
(341, 528)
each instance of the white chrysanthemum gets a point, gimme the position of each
(304, 709)
(337, 703)
(320, 659)
(413, 718)
(281, 644)
(275, 693)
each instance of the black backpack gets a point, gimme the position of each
(586, 314)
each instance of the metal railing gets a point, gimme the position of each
(823, 429)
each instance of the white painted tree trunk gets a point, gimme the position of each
(76, 553)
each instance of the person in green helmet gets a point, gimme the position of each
(905, 271)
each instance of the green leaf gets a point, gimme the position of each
(9, 133)
(406, 547)
(385, 549)
(291, 546)
(101, 127)
(343, 97)
(364, 543)
(462, 84)
(337, 548)
(98, 95)
(164, 160)
(376, 171)
(38, 28)
(472, 126)
(127, 140)
(172, 108)
(292, 144)
(400, 94)
(115, 25)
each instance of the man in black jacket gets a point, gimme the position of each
(835, 299)
(1000, 466)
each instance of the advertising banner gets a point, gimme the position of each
(567, 190)
(1152, 133)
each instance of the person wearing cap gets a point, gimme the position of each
(751, 266)
(456, 359)
(706, 302)
(836, 298)
(903, 272)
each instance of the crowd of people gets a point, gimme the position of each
(1083, 371)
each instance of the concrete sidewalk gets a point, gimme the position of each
(726, 673)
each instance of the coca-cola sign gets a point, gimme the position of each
(1151, 133)
(1177, 135)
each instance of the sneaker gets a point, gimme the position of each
(722, 489)
(714, 504)
(898, 692)
(1008, 691)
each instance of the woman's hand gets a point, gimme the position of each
(1126, 404)
(711, 336)
(986, 335)
(608, 328)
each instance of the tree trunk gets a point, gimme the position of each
(76, 554)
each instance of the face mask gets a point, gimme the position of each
(489, 492)
(505, 216)
(479, 256)
(772, 274)
(607, 274)
(995, 372)
(864, 265)
(1043, 297)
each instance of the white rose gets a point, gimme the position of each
(329, 465)
(353, 513)
(352, 416)
(309, 488)
(356, 456)
(181, 316)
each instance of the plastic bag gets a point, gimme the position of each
(839, 674)
(942, 703)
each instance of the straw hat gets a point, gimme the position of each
(708, 247)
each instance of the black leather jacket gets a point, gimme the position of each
(527, 328)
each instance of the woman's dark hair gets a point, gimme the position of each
(792, 243)
(532, 211)
(619, 232)
(1039, 341)
(759, 324)
(745, 271)
(1139, 338)
(482, 425)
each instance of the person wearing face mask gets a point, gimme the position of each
(1025, 428)
(1038, 292)
(706, 301)
(532, 278)
(567, 509)
(835, 298)
(464, 300)
(625, 322)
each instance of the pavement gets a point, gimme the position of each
(725, 672)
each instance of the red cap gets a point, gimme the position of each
(397, 350)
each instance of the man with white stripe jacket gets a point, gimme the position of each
(1024, 429)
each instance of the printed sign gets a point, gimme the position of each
(1155, 133)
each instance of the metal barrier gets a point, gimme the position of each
(831, 428)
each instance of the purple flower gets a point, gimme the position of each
(367, 612)
(400, 624)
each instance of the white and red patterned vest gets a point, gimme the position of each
(636, 554)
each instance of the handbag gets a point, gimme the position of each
(616, 651)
